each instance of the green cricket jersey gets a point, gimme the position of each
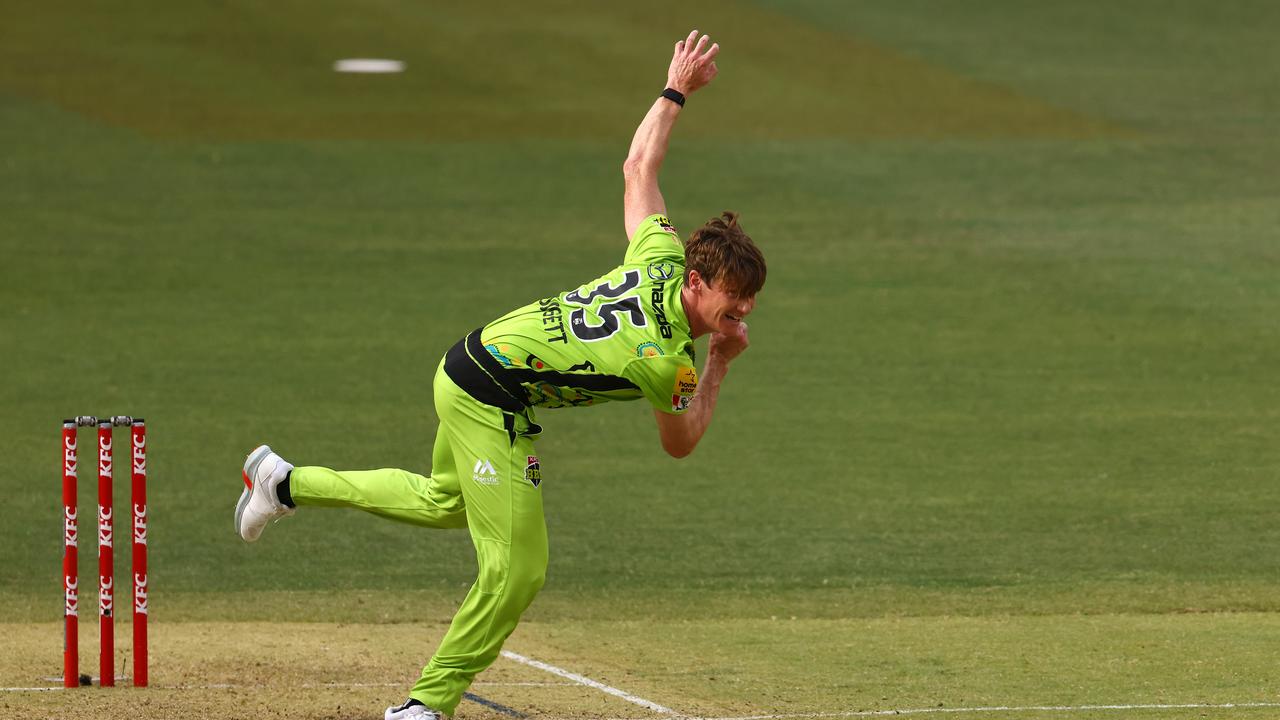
(621, 336)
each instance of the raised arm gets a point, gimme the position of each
(692, 67)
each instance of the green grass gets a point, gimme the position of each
(561, 70)
(1015, 361)
(725, 668)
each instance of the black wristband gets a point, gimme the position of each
(674, 96)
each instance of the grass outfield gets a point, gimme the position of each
(1008, 433)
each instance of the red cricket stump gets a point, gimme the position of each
(70, 571)
(106, 559)
(139, 501)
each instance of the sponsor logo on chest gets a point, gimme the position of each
(657, 299)
(533, 470)
(483, 473)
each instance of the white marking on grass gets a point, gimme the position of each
(521, 684)
(1004, 709)
(402, 683)
(31, 689)
(583, 680)
(368, 65)
(313, 686)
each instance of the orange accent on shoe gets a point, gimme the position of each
(247, 482)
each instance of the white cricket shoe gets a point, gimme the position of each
(413, 712)
(258, 505)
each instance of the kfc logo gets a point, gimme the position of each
(140, 524)
(69, 455)
(104, 455)
(105, 601)
(70, 529)
(104, 527)
(72, 597)
(140, 594)
(139, 455)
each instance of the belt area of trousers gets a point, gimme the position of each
(471, 367)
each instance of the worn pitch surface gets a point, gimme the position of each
(721, 669)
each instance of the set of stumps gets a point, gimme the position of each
(106, 556)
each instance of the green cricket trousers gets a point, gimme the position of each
(484, 477)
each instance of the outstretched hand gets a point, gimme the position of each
(693, 64)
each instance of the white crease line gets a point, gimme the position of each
(30, 689)
(521, 684)
(659, 708)
(582, 680)
(1005, 708)
(250, 686)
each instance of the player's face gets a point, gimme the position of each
(725, 309)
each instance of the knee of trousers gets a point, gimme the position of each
(517, 573)
(523, 586)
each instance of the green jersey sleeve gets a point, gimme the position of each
(655, 241)
(668, 381)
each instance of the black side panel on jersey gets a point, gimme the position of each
(467, 368)
(477, 372)
(590, 383)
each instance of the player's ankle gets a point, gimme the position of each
(282, 491)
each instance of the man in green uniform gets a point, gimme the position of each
(623, 336)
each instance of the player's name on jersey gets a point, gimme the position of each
(553, 320)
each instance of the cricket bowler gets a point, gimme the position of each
(623, 336)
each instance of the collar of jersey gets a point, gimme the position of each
(679, 319)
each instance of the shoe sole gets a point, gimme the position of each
(250, 469)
